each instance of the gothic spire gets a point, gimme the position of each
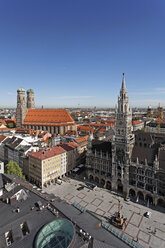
(123, 88)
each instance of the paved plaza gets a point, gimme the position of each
(150, 233)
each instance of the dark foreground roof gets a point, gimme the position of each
(35, 219)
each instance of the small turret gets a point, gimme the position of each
(146, 164)
(156, 163)
(137, 160)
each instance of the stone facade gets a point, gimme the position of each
(52, 129)
(147, 168)
(99, 162)
(126, 164)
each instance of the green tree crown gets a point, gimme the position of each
(13, 168)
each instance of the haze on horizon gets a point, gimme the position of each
(73, 53)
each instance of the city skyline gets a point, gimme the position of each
(73, 53)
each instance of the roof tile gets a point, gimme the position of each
(48, 117)
(41, 155)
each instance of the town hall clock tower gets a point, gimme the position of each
(122, 143)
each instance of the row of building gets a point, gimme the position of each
(41, 162)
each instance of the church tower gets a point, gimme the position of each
(123, 142)
(21, 107)
(30, 99)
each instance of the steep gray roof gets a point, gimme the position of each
(12, 142)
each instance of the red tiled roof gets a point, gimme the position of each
(7, 121)
(66, 147)
(37, 132)
(82, 139)
(72, 144)
(71, 132)
(3, 128)
(136, 122)
(159, 120)
(2, 137)
(101, 130)
(10, 121)
(110, 121)
(85, 128)
(41, 155)
(3, 121)
(48, 124)
(98, 124)
(48, 117)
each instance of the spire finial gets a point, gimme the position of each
(123, 83)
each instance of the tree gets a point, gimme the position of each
(11, 125)
(13, 168)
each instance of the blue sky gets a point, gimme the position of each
(73, 52)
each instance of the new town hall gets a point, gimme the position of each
(131, 163)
